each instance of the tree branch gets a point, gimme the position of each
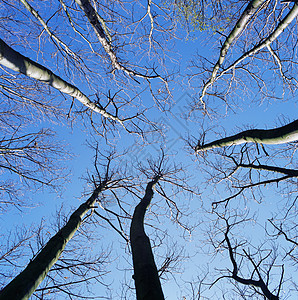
(284, 134)
(257, 283)
(240, 25)
(22, 64)
(265, 43)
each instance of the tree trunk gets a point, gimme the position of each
(146, 278)
(22, 286)
(283, 24)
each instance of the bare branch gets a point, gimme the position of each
(22, 64)
(240, 25)
(284, 134)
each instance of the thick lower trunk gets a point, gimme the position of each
(146, 278)
(22, 286)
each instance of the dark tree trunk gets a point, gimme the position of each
(24, 285)
(146, 278)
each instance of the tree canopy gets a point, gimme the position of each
(148, 149)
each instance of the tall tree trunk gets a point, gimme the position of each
(146, 278)
(280, 135)
(23, 285)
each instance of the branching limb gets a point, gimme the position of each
(104, 38)
(47, 29)
(240, 25)
(72, 24)
(278, 61)
(272, 37)
(282, 232)
(256, 283)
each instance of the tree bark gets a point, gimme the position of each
(22, 64)
(280, 135)
(146, 278)
(24, 285)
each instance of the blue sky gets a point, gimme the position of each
(176, 129)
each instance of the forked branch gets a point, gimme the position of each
(247, 281)
(240, 25)
(104, 37)
(284, 23)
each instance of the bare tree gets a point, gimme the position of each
(145, 271)
(259, 258)
(147, 275)
(248, 167)
(29, 161)
(138, 36)
(19, 63)
(23, 285)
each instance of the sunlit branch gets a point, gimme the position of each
(285, 134)
(273, 36)
(151, 23)
(72, 24)
(240, 25)
(104, 38)
(47, 29)
(22, 64)
(278, 61)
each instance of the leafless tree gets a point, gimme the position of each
(97, 59)
(260, 42)
(257, 262)
(29, 161)
(146, 278)
(244, 165)
(23, 285)
(285, 134)
(251, 166)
